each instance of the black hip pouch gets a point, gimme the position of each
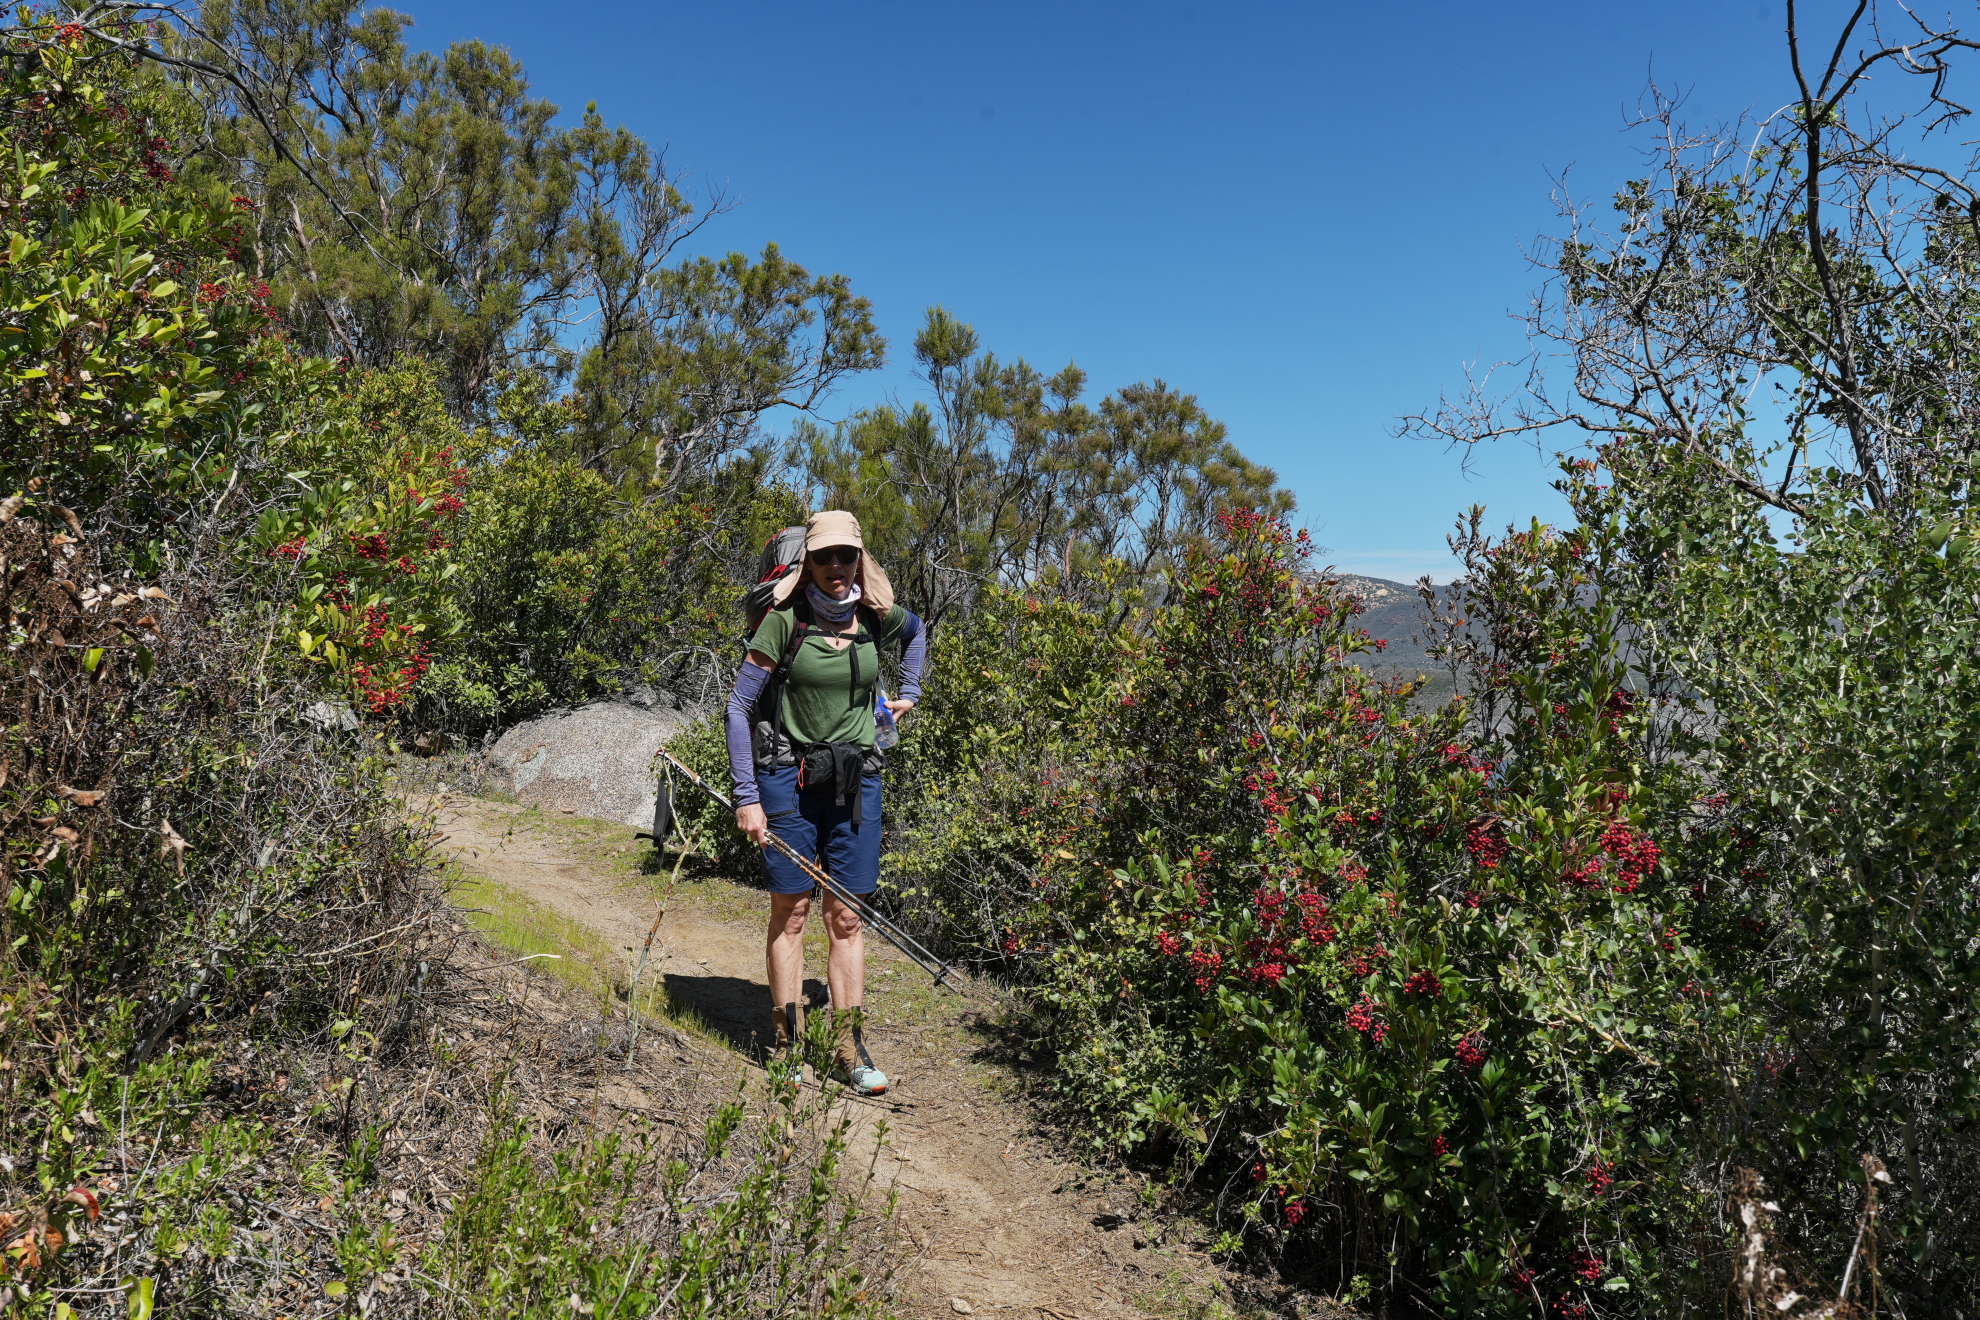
(836, 766)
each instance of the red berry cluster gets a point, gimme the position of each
(1313, 921)
(382, 689)
(1471, 1051)
(1265, 972)
(1424, 983)
(1635, 855)
(1266, 955)
(1265, 785)
(1463, 759)
(1617, 708)
(1587, 875)
(153, 166)
(1486, 843)
(1363, 962)
(1362, 1017)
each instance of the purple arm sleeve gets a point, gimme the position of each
(735, 723)
(913, 657)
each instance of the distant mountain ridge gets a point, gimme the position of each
(1393, 612)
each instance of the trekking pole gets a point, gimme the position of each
(893, 934)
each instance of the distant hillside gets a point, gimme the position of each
(1393, 612)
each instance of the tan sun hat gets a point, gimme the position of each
(837, 527)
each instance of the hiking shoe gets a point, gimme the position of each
(852, 1066)
(863, 1079)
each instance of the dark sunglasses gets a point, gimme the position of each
(838, 554)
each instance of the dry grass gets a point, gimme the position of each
(318, 1182)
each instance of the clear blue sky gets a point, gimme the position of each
(1310, 216)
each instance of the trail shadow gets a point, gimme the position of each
(733, 1007)
(1007, 1035)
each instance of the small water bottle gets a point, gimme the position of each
(885, 732)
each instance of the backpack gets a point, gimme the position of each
(782, 554)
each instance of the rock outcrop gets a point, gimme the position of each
(594, 760)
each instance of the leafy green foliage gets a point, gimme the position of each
(1481, 1003)
(986, 778)
(711, 347)
(1831, 675)
(1333, 954)
(366, 545)
(126, 331)
(569, 585)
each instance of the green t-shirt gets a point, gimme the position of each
(821, 703)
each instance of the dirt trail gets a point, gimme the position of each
(1000, 1226)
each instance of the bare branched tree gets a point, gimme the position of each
(1811, 267)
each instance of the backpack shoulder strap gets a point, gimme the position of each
(800, 625)
(871, 624)
(773, 690)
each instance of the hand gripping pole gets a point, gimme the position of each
(894, 935)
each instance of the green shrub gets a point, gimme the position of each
(1333, 955)
(998, 768)
(710, 827)
(1827, 671)
(620, 1228)
(179, 844)
(1490, 999)
(133, 339)
(571, 585)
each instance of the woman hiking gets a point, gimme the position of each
(804, 765)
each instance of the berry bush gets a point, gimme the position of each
(1468, 997)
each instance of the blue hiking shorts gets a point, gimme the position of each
(844, 839)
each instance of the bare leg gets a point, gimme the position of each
(845, 960)
(784, 947)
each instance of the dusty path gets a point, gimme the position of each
(1003, 1224)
